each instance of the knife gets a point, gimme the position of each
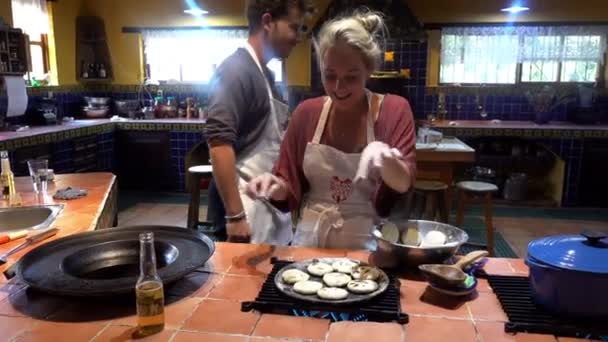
(13, 236)
(30, 240)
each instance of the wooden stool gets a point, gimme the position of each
(469, 190)
(197, 173)
(431, 201)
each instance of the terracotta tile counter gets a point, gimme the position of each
(527, 129)
(206, 306)
(96, 210)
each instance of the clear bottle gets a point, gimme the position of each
(7, 178)
(149, 290)
(102, 71)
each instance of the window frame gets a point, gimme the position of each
(602, 65)
(147, 69)
(44, 46)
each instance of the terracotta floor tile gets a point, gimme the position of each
(519, 266)
(365, 332)
(53, 331)
(237, 288)
(207, 337)
(486, 307)
(417, 298)
(495, 332)
(12, 327)
(221, 316)
(498, 266)
(291, 327)
(195, 283)
(439, 329)
(125, 333)
(32, 304)
(175, 314)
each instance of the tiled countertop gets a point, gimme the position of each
(206, 306)
(449, 150)
(83, 124)
(527, 129)
(78, 215)
(512, 124)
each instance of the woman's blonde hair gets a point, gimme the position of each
(363, 29)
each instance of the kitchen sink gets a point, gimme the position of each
(30, 217)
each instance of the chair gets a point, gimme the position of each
(468, 191)
(430, 201)
(198, 174)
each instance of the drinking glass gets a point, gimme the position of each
(39, 170)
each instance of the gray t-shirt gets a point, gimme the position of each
(238, 103)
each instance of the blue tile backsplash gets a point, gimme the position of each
(181, 144)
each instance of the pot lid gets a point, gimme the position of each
(586, 252)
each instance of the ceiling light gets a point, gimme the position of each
(515, 9)
(196, 11)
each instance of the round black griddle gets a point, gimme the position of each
(106, 262)
(287, 289)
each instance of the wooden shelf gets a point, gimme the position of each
(92, 48)
(91, 41)
(94, 80)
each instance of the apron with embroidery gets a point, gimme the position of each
(336, 213)
(268, 224)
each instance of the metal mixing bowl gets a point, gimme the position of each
(412, 256)
(97, 101)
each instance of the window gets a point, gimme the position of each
(32, 17)
(191, 56)
(510, 55)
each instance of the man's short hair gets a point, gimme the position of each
(276, 8)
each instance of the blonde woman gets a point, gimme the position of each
(347, 156)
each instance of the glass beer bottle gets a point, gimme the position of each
(149, 290)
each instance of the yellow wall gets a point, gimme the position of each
(64, 15)
(125, 49)
(453, 11)
(5, 12)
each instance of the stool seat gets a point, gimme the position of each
(475, 186)
(201, 169)
(430, 200)
(425, 185)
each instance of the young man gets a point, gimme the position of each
(246, 122)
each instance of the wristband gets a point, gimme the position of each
(236, 218)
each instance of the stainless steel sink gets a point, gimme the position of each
(30, 217)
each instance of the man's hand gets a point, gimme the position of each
(239, 231)
(267, 186)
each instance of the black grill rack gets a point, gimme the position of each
(385, 307)
(515, 296)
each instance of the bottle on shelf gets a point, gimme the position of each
(84, 70)
(102, 71)
(92, 72)
(149, 290)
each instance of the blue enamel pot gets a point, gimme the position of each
(569, 274)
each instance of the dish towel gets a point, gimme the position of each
(69, 193)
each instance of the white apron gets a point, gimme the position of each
(336, 212)
(268, 224)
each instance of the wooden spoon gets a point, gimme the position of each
(450, 275)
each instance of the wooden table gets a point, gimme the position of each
(439, 163)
